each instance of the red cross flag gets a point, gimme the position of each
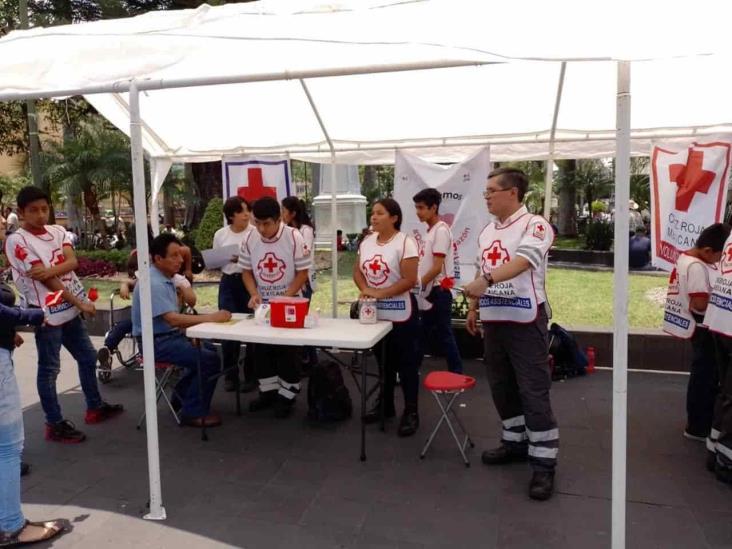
(255, 177)
(688, 191)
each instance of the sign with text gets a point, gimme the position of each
(688, 192)
(463, 207)
(254, 177)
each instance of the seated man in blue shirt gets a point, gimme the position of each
(639, 253)
(171, 344)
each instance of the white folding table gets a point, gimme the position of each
(331, 333)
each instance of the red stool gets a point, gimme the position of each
(446, 387)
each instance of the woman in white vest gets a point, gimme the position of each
(689, 287)
(386, 269)
(295, 215)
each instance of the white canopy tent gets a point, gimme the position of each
(351, 81)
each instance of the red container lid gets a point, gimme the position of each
(288, 300)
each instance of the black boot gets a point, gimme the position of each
(723, 474)
(374, 415)
(283, 406)
(504, 454)
(711, 461)
(409, 423)
(263, 401)
(542, 485)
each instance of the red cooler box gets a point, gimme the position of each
(288, 312)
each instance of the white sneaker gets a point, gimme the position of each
(698, 438)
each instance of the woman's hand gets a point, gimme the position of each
(372, 292)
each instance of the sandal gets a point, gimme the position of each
(51, 528)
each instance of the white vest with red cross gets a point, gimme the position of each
(380, 265)
(678, 319)
(513, 300)
(25, 249)
(273, 261)
(718, 317)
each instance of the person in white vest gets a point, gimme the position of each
(43, 261)
(386, 269)
(719, 321)
(436, 275)
(294, 214)
(274, 262)
(689, 287)
(509, 298)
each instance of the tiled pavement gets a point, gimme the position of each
(260, 482)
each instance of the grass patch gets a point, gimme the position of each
(569, 243)
(578, 298)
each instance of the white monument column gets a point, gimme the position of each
(351, 216)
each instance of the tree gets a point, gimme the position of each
(567, 193)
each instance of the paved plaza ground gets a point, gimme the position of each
(266, 483)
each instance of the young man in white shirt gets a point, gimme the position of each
(690, 285)
(43, 261)
(274, 262)
(436, 273)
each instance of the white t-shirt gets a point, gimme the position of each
(308, 235)
(25, 249)
(226, 237)
(436, 243)
(274, 262)
(698, 282)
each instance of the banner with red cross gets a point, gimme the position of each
(254, 177)
(688, 193)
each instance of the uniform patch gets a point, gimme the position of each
(271, 268)
(376, 270)
(539, 231)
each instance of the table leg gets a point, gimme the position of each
(382, 365)
(237, 381)
(204, 435)
(363, 405)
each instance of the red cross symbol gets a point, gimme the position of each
(271, 264)
(494, 256)
(729, 254)
(375, 267)
(690, 178)
(376, 270)
(256, 188)
(674, 277)
(271, 268)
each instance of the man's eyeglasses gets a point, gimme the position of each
(489, 192)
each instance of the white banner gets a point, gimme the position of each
(463, 206)
(252, 177)
(688, 193)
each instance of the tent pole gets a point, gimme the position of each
(620, 312)
(333, 203)
(549, 172)
(154, 205)
(157, 511)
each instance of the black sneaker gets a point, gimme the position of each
(64, 431)
(542, 485)
(409, 423)
(723, 474)
(283, 407)
(263, 401)
(503, 454)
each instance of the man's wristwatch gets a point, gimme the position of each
(489, 279)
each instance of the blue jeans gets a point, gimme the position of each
(11, 446)
(74, 337)
(437, 323)
(178, 349)
(117, 333)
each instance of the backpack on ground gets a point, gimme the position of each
(568, 358)
(328, 396)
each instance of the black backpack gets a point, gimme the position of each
(328, 396)
(569, 359)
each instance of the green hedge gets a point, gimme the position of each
(212, 221)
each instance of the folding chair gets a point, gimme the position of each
(164, 373)
(446, 387)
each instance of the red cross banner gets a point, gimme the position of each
(688, 193)
(254, 177)
(463, 206)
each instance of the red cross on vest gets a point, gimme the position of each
(270, 265)
(495, 255)
(376, 270)
(691, 178)
(271, 268)
(256, 188)
(375, 266)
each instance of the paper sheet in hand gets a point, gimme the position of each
(218, 257)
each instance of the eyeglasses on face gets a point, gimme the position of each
(489, 192)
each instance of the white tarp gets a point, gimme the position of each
(507, 105)
(462, 208)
